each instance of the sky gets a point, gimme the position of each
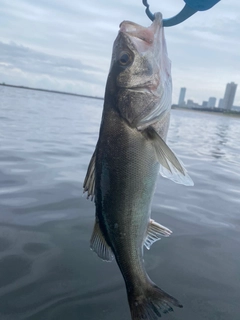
(67, 45)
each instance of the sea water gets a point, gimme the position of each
(47, 271)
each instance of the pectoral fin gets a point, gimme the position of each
(154, 233)
(99, 245)
(89, 181)
(171, 167)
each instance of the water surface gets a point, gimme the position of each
(47, 270)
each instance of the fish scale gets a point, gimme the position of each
(130, 152)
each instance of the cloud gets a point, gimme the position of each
(32, 64)
(67, 44)
(205, 52)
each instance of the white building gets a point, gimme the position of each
(229, 95)
(220, 103)
(211, 102)
(182, 94)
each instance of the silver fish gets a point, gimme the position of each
(130, 152)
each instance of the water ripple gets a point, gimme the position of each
(47, 268)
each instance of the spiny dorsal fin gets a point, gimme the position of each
(154, 233)
(89, 181)
(171, 167)
(99, 245)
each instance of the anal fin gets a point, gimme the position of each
(154, 233)
(99, 245)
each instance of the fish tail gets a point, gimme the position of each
(150, 304)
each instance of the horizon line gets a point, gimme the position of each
(51, 91)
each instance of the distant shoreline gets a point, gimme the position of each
(51, 91)
(174, 106)
(214, 111)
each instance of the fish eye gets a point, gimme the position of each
(124, 58)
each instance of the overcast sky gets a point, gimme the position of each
(66, 44)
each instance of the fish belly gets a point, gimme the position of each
(126, 174)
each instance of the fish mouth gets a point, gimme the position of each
(146, 34)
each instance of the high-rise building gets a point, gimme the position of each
(190, 103)
(181, 101)
(211, 102)
(229, 95)
(220, 103)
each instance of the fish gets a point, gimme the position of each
(130, 152)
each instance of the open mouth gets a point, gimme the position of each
(142, 38)
(137, 31)
(140, 32)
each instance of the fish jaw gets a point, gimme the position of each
(144, 87)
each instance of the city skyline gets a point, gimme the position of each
(226, 102)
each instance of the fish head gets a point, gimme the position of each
(141, 70)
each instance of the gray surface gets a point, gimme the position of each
(46, 268)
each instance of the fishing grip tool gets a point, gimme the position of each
(191, 7)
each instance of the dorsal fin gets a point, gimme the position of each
(89, 181)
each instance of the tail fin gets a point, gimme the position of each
(151, 304)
